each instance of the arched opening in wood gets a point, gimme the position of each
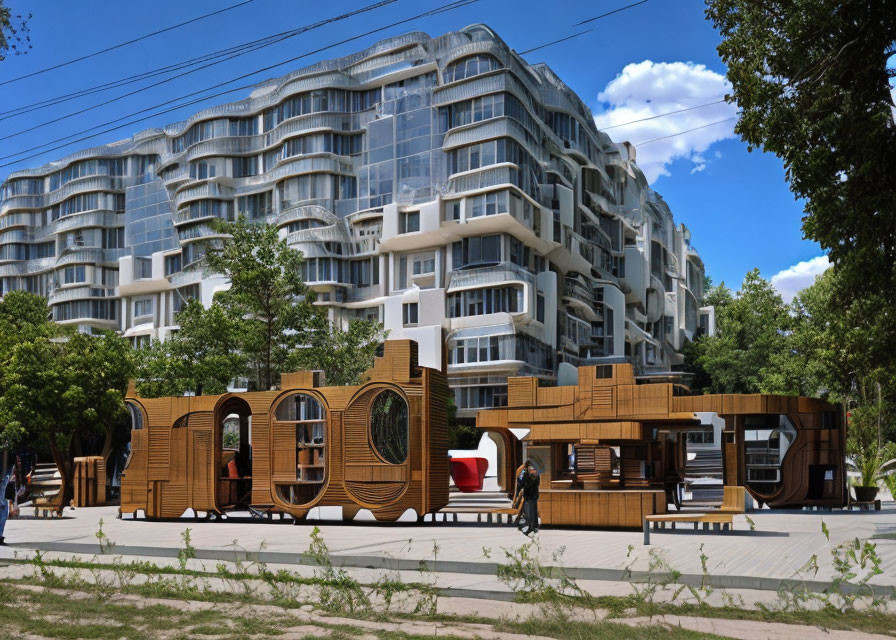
(233, 441)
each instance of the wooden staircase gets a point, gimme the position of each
(45, 487)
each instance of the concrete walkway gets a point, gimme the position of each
(782, 544)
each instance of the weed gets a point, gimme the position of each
(337, 590)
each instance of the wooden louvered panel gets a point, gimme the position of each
(261, 459)
(521, 392)
(159, 453)
(376, 473)
(585, 458)
(283, 448)
(202, 476)
(174, 500)
(178, 453)
(357, 429)
(436, 435)
(376, 492)
(602, 402)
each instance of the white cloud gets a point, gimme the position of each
(648, 88)
(793, 279)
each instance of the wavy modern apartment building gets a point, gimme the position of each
(433, 184)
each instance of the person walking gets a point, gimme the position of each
(531, 482)
(7, 493)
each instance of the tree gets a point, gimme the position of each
(811, 78)
(202, 356)
(343, 356)
(749, 332)
(55, 387)
(267, 294)
(14, 32)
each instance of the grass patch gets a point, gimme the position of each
(576, 630)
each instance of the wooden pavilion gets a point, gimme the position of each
(612, 449)
(382, 446)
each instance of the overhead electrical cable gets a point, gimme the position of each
(124, 44)
(98, 105)
(575, 35)
(457, 4)
(660, 115)
(609, 13)
(34, 106)
(672, 135)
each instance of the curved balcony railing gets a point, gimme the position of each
(79, 255)
(318, 209)
(15, 220)
(98, 218)
(574, 289)
(202, 191)
(80, 293)
(85, 185)
(482, 276)
(332, 233)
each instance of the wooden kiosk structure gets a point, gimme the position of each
(382, 446)
(612, 450)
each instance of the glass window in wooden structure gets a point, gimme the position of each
(389, 431)
(766, 440)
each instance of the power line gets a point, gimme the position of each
(124, 44)
(457, 4)
(661, 115)
(672, 135)
(295, 32)
(34, 106)
(609, 13)
(575, 35)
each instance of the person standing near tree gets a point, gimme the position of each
(6, 484)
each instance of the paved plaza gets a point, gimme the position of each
(465, 554)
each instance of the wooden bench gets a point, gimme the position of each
(733, 502)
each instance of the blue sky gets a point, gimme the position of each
(653, 58)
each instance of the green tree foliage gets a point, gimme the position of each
(202, 356)
(267, 294)
(811, 78)
(343, 356)
(56, 387)
(749, 333)
(14, 32)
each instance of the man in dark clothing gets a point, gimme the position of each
(530, 483)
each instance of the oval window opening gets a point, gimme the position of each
(389, 427)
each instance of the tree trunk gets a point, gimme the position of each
(66, 473)
(107, 445)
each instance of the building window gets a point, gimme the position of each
(75, 274)
(476, 252)
(470, 66)
(409, 222)
(142, 307)
(539, 308)
(172, 264)
(424, 264)
(409, 313)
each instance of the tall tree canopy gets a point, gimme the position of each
(811, 78)
(57, 387)
(14, 31)
(202, 356)
(749, 333)
(266, 292)
(343, 356)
